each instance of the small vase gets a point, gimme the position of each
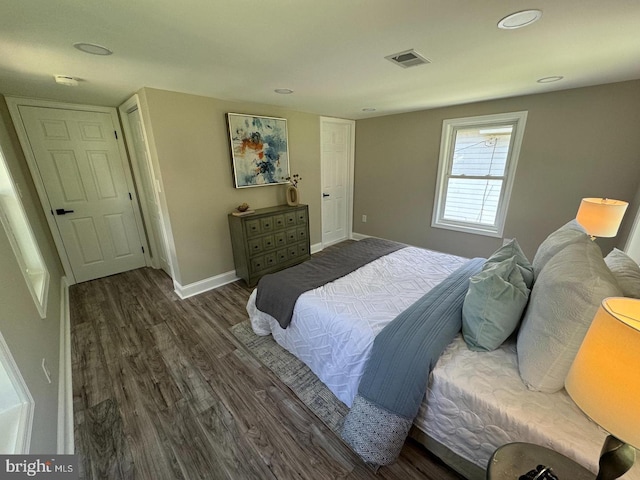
(293, 196)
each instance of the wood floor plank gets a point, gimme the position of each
(163, 390)
(108, 449)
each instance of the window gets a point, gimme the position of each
(22, 241)
(478, 157)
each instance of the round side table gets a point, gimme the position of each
(514, 459)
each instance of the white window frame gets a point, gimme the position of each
(23, 242)
(447, 143)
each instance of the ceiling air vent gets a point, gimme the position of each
(408, 58)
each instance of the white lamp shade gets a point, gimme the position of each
(601, 217)
(604, 379)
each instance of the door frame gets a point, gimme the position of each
(133, 103)
(14, 103)
(350, 172)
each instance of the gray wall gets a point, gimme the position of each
(577, 143)
(29, 337)
(191, 149)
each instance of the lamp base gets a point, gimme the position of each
(616, 458)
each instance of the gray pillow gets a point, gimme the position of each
(509, 250)
(563, 301)
(569, 233)
(626, 271)
(493, 306)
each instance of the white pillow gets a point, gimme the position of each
(626, 271)
(562, 304)
(568, 234)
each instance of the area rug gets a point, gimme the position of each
(295, 374)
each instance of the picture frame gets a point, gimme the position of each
(259, 150)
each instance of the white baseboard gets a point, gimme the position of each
(359, 236)
(65, 389)
(316, 247)
(205, 285)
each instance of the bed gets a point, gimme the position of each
(475, 401)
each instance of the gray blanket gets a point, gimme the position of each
(396, 375)
(278, 292)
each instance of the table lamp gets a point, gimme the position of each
(604, 381)
(601, 217)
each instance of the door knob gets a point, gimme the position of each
(62, 211)
(325, 195)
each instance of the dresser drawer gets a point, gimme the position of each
(290, 218)
(280, 239)
(301, 233)
(278, 222)
(252, 227)
(266, 224)
(292, 235)
(257, 264)
(301, 217)
(255, 246)
(268, 242)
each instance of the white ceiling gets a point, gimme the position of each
(330, 52)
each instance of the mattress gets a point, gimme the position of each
(333, 326)
(475, 401)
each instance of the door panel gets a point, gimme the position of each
(148, 194)
(84, 174)
(336, 152)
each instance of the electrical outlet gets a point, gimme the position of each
(364, 219)
(46, 371)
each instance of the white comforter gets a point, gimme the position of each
(476, 401)
(333, 327)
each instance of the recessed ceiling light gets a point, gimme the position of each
(552, 79)
(283, 91)
(520, 19)
(92, 48)
(368, 109)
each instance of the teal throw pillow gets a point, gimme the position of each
(493, 306)
(509, 250)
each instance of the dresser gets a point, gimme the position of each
(269, 240)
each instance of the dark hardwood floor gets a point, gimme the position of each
(163, 390)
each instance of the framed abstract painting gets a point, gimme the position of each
(259, 150)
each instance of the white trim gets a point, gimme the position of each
(447, 143)
(359, 236)
(125, 109)
(65, 390)
(317, 247)
(201, 286)
(25, 249)
(25, 405)
(14, 104)
(126, 127)
(350, 170)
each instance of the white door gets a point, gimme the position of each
(83, 173)
(337, 150)
(148, 195)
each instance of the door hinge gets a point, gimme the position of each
(116, 134)
(142, 249)
(130, 197)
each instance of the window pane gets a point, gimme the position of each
(481, 151)
(472, 201)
